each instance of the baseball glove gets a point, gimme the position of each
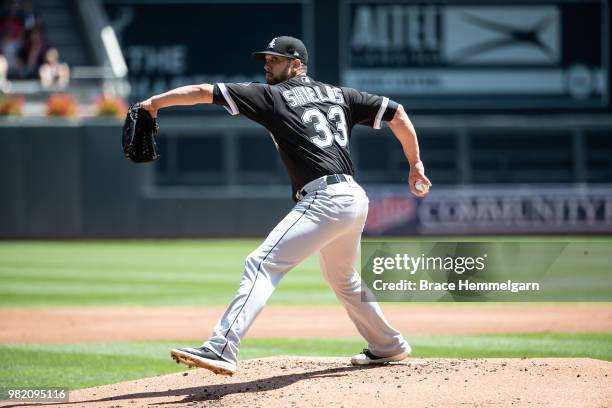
(139, 131)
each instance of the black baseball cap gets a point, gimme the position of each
(285, 46)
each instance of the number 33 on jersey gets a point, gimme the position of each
(327, 135)
(310, 121)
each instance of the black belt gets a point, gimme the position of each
(329, 180)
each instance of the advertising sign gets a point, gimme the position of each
(496, 55)
(490, 210)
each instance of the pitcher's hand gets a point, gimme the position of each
(417, 173)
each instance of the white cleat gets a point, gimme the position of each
(367, 358)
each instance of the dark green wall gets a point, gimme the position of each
(69, 180)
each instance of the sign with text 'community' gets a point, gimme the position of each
(535, 209)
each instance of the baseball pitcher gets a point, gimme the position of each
(310, 124)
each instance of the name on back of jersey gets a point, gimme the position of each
(302, 95)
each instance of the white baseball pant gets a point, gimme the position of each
(329, 220)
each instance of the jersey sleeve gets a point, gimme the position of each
(369, 110)
(253, 100)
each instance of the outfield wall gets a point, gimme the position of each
(68, 179)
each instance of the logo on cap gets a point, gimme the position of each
(272, 43)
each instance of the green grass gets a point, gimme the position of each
(147, 273)
(89, 364)
(158, 273)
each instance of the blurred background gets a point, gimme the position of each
(511, 102)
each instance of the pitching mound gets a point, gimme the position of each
(317, 382)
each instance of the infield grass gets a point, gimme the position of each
(143, 273)
(89, 364)
(164, 273)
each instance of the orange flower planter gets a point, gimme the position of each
(11, 105)
(109, 106)
(62, 104)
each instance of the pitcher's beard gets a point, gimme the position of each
(271, 80)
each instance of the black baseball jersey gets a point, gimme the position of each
(309, 121)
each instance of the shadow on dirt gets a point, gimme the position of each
(217, 391)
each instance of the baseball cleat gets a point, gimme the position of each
(203, 357)
(366, 357)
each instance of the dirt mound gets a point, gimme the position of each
(323, 382)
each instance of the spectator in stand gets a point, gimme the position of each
(53, 72)
(32, 54)
(4, 85)
(11, 36)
